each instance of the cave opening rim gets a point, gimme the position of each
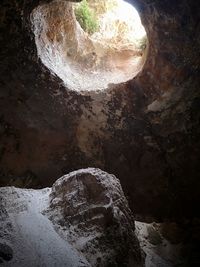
(81, 89)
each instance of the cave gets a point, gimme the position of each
(99, 130)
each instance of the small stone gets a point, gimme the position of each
(6, 252)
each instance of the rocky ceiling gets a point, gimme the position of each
(145, 131)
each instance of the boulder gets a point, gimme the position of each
(92, 205)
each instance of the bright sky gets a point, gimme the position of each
(126, 12)
(122, 12)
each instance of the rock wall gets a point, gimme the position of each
(145, 131)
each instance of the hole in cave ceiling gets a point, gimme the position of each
(90, 44)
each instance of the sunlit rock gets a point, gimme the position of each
(82, 221)
(115, 53)
(92, 205)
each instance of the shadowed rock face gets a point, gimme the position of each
(145, 131)
(92, 205)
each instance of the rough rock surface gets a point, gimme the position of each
(92, 204)
(146, 131)
(83, 220)
(178, 246)
(83, 62)
(27, 237)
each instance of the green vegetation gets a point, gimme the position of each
(141, 43)
(86, 17)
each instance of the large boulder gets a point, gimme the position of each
(82, 221)
(92, 205)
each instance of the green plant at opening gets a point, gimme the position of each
(141, 43)
(86, 17)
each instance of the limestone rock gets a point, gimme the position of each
(84, 62)
(82, 221)
(101, 226)
(27, 237)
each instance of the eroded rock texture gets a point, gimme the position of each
(82, 221)
(92, 204)
(146, 131)
(86, 62)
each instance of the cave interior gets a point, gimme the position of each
(100, 133)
